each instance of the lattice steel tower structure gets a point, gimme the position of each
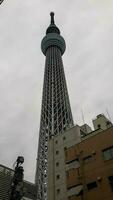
(56, 114)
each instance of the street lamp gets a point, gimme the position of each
(17, 181)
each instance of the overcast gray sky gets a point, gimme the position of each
(87, 26)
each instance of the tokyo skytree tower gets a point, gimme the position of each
(56, 114)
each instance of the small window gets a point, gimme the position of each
(56, 142)
(92, 185)
(64, 138)
(110, 178)
(108, 123)
(57, 164)
(57, 152)
(78, 189)
(99, 126)
(65, 148)
(108, 153)
(58, 191)
(58, 176)
(88, 159)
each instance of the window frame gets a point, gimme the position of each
(107, 153)
(92, 185)
(111, 182)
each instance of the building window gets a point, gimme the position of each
(56, 142)
(75, 161)
(58, 191)
(108, 153)
(110, 178)
(65, 148)
(64, 138)
(58, 176)
(76, 192)
(57, 152)
(88, 159)
(92, 185)
(108, 123)
(99, 126)
(57, 164)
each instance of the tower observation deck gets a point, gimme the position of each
(56, 114)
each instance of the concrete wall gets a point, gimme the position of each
(57, 189)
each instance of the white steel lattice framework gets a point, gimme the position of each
(1, 1)
(56, 114)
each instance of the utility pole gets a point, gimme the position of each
(17, 181)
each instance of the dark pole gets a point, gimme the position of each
(17, 181)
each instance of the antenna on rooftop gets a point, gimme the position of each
(83, 116)
(108, 115)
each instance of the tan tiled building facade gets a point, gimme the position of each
(93, 178)
(81, 168)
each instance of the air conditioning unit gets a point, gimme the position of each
(94, 152)
(99, 178)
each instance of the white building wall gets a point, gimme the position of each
(57, 189)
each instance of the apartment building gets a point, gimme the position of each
(80, 162)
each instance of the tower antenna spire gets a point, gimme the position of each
(56, 116)
(52, 17)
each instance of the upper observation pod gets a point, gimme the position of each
(53, 37)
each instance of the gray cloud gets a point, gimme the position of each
(87, 27)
